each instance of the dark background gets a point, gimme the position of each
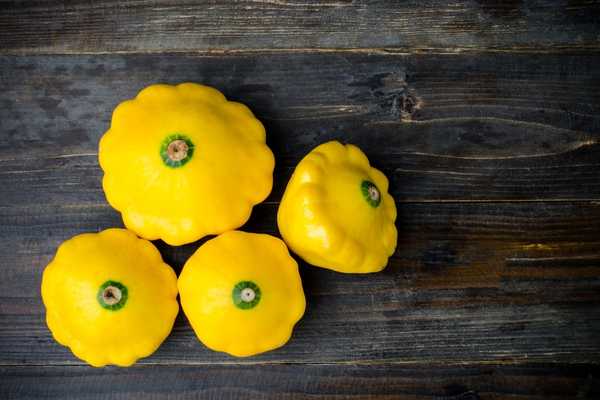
(483, 114)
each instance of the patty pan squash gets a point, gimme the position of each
(336, 212)
(109, 297)
(181, 162)
(242, 293)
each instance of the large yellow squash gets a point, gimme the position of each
(109, 297)
(181, 162)
(242, 293)
(336, 211)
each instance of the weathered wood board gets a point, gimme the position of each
(484, 115)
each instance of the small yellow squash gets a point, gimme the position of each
(242, 293)
(181, 162)
(336, 212)
(109, 297)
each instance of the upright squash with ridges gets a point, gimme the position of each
(336, 211)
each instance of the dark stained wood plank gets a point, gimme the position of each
(499, 213)
(569, 176)
(141, 26)
(468, 283)
(295, 382)
(444, 127)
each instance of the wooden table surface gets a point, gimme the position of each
(483, 114)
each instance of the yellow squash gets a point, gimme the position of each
(242, 293)
(109, 297)
(181, 162)
(336, 212)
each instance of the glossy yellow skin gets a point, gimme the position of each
(76, 319)
(230, 171)
(326, 220)
(207, 281)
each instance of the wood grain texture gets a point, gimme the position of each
(485, 115)
(469, 282)
(142, 25)
(495, 127)
(493, 160)
(295, 382)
